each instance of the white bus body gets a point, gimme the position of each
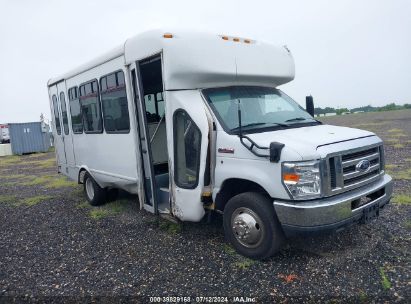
(158, 117)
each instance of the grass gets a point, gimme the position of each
(9, 160)
(107, 210)
(398, 146)
(244, 263)
(99, 213)
(229, 249)
(370, 124)
(392, 141)
(50, 181)
(170, 227)
(385, 282)
(241, 262)
(60, 183)
(8, 199)
(15, 176)
(395, 130)
(391, 166)
(42, 164)
(83, 205)
(31, 201)
(363, 297)
(405, 175)
(407, 224)
(398, 135)
(401, 199)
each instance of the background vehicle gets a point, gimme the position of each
(193, 122)
(4, 134)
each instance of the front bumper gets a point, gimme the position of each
(333, 213)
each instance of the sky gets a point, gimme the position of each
(347, 53)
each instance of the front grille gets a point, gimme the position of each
(358, 154)
(354, 168)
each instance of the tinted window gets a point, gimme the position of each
(56, 115)
(114, 101)
(75, 110)
(187, 147)
(90, 108)
(64, 113)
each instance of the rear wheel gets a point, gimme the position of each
(251, 225)
(95, 195)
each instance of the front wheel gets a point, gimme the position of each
(251, 225)
(95, 195)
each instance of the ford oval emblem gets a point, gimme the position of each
(363, 166)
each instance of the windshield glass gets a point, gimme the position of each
(261, 107)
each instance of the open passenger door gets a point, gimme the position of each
(187, 146)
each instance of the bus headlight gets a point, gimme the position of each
(302, 179)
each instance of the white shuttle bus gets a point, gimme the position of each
(194, 123)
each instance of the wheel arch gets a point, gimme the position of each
(82, 172)
(234, 186)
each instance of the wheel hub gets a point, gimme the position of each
(247, 227)
(90, 189)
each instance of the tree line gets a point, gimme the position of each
(369, 108)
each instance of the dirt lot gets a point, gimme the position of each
(53, 244)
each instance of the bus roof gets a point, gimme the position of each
(198, 60)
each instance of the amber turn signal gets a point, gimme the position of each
(291, 177)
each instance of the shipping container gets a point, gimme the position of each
(29, 137)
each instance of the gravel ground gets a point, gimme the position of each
(52, 244)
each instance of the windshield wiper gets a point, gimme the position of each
(303, 118)
(249, 125)
(259, 124)
(296, 119)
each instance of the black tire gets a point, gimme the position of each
(95, 195)
(112, 194)
(257, 239)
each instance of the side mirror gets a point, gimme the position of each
(309, 105)
(275, 151)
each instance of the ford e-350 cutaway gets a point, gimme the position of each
(194, 123)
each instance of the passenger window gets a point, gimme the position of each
(75, 110)
(56, 115)
(187, 148)
(115, 106)
(64, 113)
(151, 111)
(90, 108)
(154, 106)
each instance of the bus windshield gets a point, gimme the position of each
(261, 107)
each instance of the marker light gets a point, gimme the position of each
(236, 39)
(168, 35)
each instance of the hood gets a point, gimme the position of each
(306, 141)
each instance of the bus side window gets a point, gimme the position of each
(64, 112)
(114, 102)
(90, 107)
(56, 115)
(75, 111)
